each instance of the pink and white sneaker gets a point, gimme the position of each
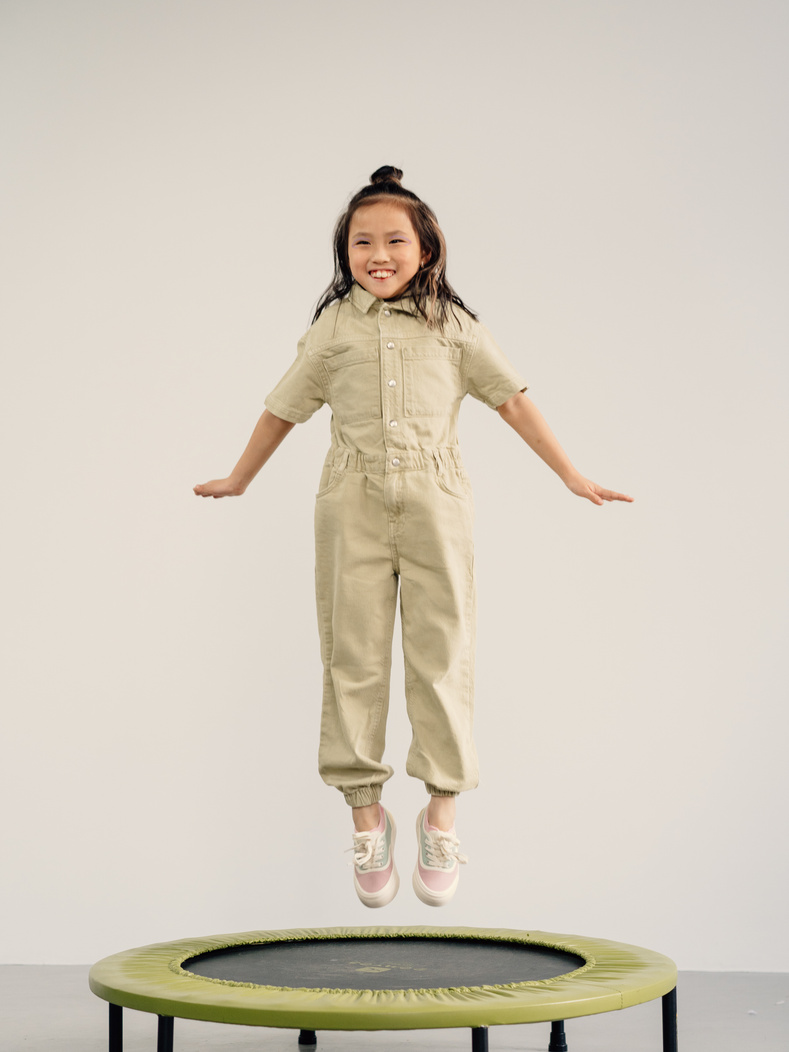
(438, 863)
(374, 874)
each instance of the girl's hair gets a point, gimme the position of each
(432, 294)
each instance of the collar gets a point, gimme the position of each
(364, 300)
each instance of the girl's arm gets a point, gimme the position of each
(269, 432)
(524, 417)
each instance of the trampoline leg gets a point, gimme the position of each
(479, 1039)
(165, 1039)
(670, 1040)
(558, 1040)
(116, 1028)
(308, 1038)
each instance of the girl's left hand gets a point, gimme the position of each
(582, 487)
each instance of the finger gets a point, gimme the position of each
(609, 494)
(592, 492)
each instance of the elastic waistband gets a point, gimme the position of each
(395, 459)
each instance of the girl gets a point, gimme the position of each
(393, 350)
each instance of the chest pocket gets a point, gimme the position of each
(354, 377)
(432, 377)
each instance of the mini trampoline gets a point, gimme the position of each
(384, 979)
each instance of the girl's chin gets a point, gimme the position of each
(384, 288)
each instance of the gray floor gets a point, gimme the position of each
(51, 1007)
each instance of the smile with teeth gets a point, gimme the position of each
(382, 273)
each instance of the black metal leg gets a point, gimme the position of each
(479, 1039)
(558, 1040)
(165, 1038)
(308, 1038)
(116, 1028)
(670, 1038)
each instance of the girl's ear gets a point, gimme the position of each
(425, 259)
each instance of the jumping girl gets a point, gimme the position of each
(393, 350)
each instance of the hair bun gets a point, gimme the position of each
(387, 174)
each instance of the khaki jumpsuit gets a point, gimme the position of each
(394, 507)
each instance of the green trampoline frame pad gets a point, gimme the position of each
(156, 979)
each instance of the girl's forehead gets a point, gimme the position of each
(381, 216)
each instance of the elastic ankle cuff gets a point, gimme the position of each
(435, 791)
(370, 794)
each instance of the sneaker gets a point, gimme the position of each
(374, 875)
(438, 864)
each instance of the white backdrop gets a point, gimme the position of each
(611, 178)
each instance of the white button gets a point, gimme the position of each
(396, 462)
(392, 383)
(388, 313)
(393, 423)
(390, 345)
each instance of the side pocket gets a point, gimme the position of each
(452, 480)
(333, 473)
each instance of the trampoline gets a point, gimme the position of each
(384, 979)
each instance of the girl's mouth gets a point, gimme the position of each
(381, 275)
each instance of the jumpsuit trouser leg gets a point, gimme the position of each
(438, 616)
(356, 591)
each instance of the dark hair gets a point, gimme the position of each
(432, 294)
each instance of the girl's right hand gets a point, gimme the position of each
(219, 488)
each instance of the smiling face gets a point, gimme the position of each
(383, 249)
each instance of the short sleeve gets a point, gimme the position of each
(490, 376)
(299, 393)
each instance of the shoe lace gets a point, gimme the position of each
(368, 849)
(442, 848)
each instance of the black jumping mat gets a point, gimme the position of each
(384, 963)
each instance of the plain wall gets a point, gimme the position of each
(611, 179)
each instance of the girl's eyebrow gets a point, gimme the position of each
(391, 233)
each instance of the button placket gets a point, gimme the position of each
(390, 391)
